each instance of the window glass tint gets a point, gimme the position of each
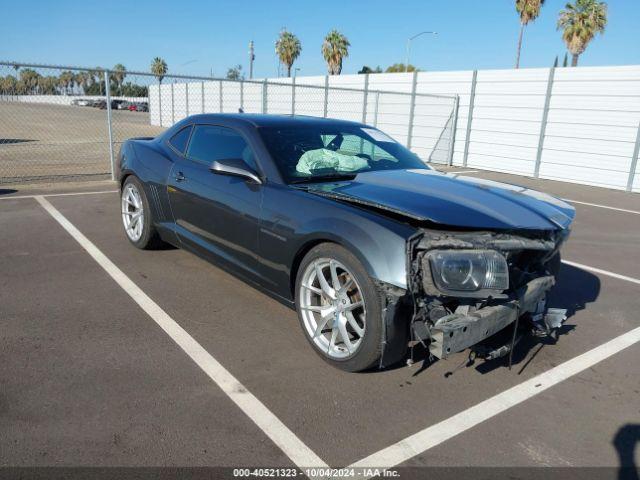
(209, 143)
(180, 139)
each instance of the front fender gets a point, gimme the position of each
(381, 251)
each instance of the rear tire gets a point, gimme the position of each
(335, 297)
(137, 217)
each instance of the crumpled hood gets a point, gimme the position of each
(453, 200)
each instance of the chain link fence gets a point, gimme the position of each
(59, 122)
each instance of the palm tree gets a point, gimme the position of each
(29, 79)
(400, 67)
(66, 81)
(334, 48)
(159, 69)
(581, 21)
(118, 74)
(288, 48)
(528, 11)
(96, 76)
(82, 80)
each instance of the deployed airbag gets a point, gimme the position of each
(322, 158)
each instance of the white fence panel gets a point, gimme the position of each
(592, 115)
(593, 124)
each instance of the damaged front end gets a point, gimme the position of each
(464, 287)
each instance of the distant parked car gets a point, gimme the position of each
(101, 104)
(124, 105)
(81, 102)
(139, 107)
(115, 104)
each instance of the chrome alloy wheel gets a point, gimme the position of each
(332, 308)
(132, 212)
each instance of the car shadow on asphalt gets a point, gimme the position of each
(7, 191)
(575, 289)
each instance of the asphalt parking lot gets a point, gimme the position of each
(62, 141)
(101, 364)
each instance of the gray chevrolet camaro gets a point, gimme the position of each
(376, 251)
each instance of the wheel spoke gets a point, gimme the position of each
(312, 308)
(326, 288)
(323, 323)
(334, 275)
(130, 198)
(347, 285)
(136, 199)
(345, 336)
(138, 226)
(315, 290)
(354, 324)
(332, 342)
(353, 306)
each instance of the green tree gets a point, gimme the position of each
(288, 49)
(132, 90)
(528, 11)
(565, 62)
(401, 67)
(334, 48)
(159, 68)
(49, 85)
(580, 22)
(9, 85)
(67, 79)
(367, 69)
(82, 80)
(235, 73)
(117, 76)
(29, 79)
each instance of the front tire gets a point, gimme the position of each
(339, 308)
(137, 217)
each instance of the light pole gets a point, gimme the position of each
(252, 57)
(406, 66)
(295, 72)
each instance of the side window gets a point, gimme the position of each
(180, 139)
(209, 143)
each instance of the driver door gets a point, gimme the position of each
(216, 215)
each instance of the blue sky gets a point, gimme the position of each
(197, 36)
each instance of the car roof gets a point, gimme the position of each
(272, 120)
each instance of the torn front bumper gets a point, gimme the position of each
(456, 332)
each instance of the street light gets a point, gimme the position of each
(406, 66)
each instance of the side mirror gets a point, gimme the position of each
(236, 167)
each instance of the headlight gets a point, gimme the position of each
(469, 272)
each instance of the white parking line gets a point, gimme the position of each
(602, 206)
(464, 171)
(602, 272)
(388, 457)
(70, 194)
(435, 435)
(289, 443)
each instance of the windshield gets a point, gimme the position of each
(327, 152)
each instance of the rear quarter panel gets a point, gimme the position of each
(149, 161)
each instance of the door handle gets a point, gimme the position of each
(179, 177)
